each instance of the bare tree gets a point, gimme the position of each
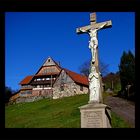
(85, 68)
(103, 68)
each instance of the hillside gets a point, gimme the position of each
(46, 113)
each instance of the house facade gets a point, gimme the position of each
(51, 81)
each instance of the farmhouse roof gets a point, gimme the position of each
(55, 63)
(26, 80)
(78, 78)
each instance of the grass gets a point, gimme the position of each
(47, 113)
(118, 122)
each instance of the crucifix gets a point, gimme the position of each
(95, 82)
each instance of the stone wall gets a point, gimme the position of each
(34, 96)
(46, 93)
(70, 88)
(85, 89)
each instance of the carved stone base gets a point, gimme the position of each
(95, 115)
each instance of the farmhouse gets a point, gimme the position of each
(51, 81)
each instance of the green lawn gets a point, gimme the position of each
(47, 113)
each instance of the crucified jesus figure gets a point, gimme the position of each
(93, 43)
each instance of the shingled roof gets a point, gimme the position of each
(78, 78)
(26, 80)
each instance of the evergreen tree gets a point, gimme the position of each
(8, 94)
(127, 70)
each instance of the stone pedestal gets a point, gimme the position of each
(95, 115)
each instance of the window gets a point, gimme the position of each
(62, 88)
(27, 92)
(47, 78)
(45, 85)
(81, 88)
(48, 60)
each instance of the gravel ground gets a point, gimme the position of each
(122, 107)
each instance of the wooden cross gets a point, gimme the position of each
(89, 29)
(94, 25)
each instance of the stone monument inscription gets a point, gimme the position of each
(93, 118)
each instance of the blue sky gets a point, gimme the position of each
(30, 37)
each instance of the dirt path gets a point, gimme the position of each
(123, 108)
